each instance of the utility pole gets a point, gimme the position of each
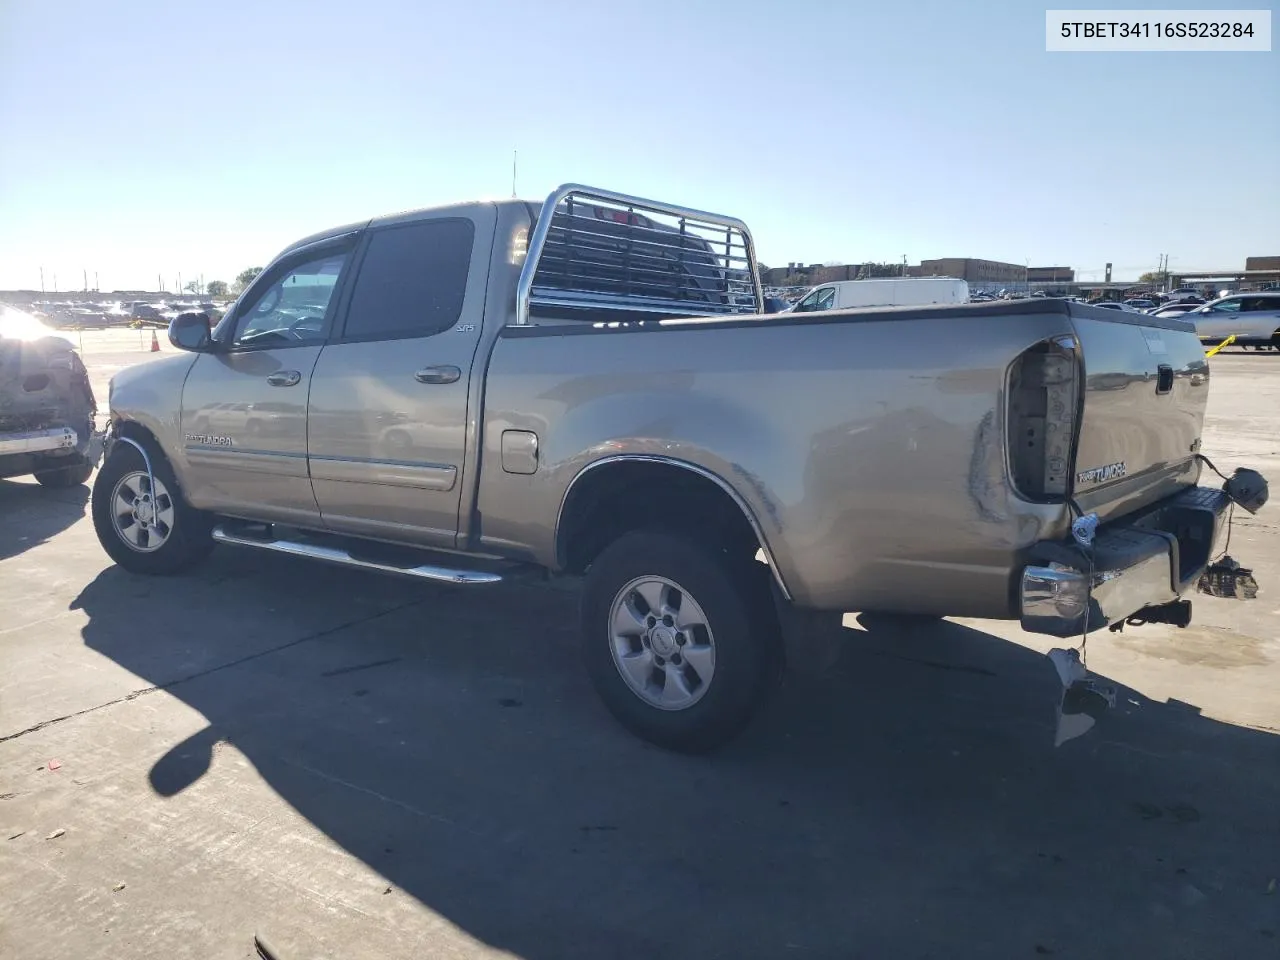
(159, 283)
(86, 279)
(515, 155)
(42, 279)
(96, 288)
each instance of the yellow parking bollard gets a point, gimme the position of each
(1229, 340)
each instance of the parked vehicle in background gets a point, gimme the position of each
(47, 407)
(1183, 293)
(884, 292)
(1114, 305)
(489, 390)
(143, 310)
(1254, 319)
(1174, 309)
(1140, 304)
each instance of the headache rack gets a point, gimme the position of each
(595, 251)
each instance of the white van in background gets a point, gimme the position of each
(887, 292)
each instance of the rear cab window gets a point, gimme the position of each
(412, 280)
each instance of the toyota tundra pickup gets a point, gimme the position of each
(589, 388)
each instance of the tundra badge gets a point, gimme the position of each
(1111, 471)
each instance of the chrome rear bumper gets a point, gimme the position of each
(39, 441)
(1139, 562)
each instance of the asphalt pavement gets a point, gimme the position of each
(349, 765)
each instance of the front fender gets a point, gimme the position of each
(148, 396)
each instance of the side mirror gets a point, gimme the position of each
(190, 331)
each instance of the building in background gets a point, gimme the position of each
(1258, 273)
(980, 274)
(1051, 275)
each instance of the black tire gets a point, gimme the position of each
(63, 478)
(739, 614)
(189, 540)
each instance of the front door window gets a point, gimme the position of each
(291, 310)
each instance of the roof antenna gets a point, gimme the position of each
(514, 156)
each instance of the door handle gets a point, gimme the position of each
(284, 378)
(1164, 379)
(442, 374)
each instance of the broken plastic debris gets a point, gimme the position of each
(117, 888)
(56, 834)
(54, 764)
(1083, 700)
(1068, 665)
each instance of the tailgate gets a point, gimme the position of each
(1146, 385)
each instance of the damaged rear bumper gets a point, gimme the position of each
(1145, 561)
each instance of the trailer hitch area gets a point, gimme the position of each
(1177, 613)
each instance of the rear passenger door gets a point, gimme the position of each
(388, 412)
(1260, 318)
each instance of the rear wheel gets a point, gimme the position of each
(142, 520)
(679, 640)
(62, 478)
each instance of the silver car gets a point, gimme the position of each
(1254, 319)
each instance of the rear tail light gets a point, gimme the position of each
(1044, 393)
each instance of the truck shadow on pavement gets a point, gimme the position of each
(31, 514)
(907, 802)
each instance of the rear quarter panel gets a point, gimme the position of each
(869, 447)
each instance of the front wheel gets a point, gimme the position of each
(142, 520)
(680, 642)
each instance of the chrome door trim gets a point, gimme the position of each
(394, 473)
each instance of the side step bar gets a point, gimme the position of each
(226, 533)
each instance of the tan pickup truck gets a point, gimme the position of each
(480, 391)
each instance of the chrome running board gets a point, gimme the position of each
(225, 533)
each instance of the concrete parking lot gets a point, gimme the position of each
(356, 766)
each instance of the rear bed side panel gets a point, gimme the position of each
(1139, 433)
(871, 450)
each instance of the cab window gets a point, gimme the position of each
(412, 281)
(292, 309)
(823, 299)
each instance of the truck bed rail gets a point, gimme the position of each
(595, 249)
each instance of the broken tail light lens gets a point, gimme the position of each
(1043, 402)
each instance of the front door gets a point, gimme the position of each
(244, 406)
(1217, 321)
(388, 407)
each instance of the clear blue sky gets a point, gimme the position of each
(143, 137)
